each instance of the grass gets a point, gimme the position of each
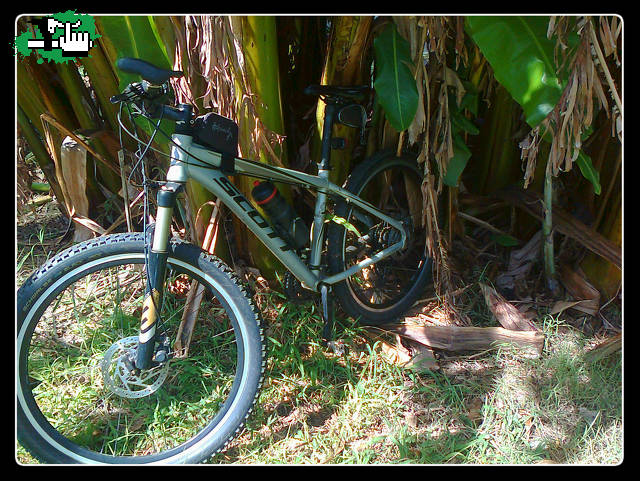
(498, 407)
(501, 408)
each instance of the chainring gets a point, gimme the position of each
(294, 291)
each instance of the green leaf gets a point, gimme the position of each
(395, 84)
(521, 56)
(134, 36)
(343, 222)
(458, 162)
(588, 171)
(40, 186)
(462, 123)
(459, 123)
(470, 102)
(505, 240)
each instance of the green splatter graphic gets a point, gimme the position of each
(87, 24)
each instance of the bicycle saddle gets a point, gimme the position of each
(350, 92)
(147, 71)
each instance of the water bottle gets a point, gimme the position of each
(284, 219)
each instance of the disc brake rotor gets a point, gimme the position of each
(120, 379)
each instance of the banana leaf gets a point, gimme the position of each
(458, 162)
(83, 108)
(522, 59)
(461, 153)
(104, 82)
(395, 84)
(134, 36)
(589, 171)
(40, 152)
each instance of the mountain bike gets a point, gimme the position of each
(98, 377)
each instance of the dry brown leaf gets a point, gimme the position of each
(422, 360)
(573, 114)
(72, 176)
(395, 354)
(580, 289)
(605, 348)
(561, 306)
(520, 262)
(474, 409)
(88, 223)
(505, 313)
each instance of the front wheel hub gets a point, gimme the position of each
(122, 378)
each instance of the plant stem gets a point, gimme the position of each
(547, 230)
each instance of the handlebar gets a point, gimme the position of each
(146, 70)
(152, 91)
(182, 114)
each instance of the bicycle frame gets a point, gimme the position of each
(190, 160)
(193, 161)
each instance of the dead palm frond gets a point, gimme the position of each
(567, 123)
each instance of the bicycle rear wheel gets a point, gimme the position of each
(79, 401)
(384, 291)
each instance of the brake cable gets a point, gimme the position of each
(140, 155)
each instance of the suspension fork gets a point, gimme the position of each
(156, 265)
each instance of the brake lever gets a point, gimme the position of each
(129, 94)
(141, 90)
(149, 100)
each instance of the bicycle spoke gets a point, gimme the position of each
(116, 414)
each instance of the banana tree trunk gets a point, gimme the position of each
(601, 273)
(497, 161)
(260, 50)
(82, 107)
(42, 156)
(344, 65)
(605, 276)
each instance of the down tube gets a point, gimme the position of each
(221, 187)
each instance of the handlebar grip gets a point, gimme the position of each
(179, 115)
(146, 70)
(114, 99)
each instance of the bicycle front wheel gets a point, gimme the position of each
(79, 401)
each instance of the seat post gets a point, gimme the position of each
(325, 154)
(324, 167)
